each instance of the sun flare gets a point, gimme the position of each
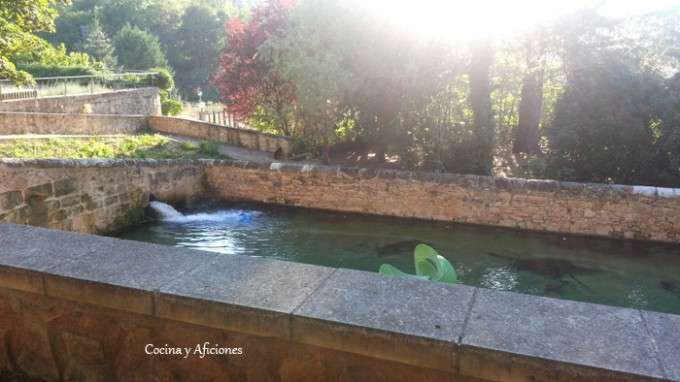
(478, 19)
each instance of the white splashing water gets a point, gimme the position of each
(169, 214)
(166, 211)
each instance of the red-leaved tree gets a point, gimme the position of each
(246, 82)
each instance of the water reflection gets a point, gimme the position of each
(503, 278)
(632, 274)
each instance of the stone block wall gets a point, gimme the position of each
(251, 139)
(57, 340)
(144, 101)
(90, 196)
(57, 194)
(631, 212)
(59, 123)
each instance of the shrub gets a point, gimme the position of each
(171, 106)
(164, 79)
(209, 149)
(137, 49)
(53, 70)
(614, 124)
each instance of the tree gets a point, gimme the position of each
(247, 84)
(354, 76)
(197, 51)
(19, 19)
(614, 123)
(480, 102)
(527, 133)
(137, 49)
(96, 44)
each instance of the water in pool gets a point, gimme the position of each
(612, 272)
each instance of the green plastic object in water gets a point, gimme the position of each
(429, 266)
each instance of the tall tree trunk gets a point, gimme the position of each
(480, 100)
(527, 133)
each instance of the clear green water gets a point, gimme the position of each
(612, 272)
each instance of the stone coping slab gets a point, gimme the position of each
(665, 329)
(353, 311)
(567, 332)
(473, 332)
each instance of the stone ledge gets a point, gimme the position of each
(485, 334)
(398, 320)
(612, 343)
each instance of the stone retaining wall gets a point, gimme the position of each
(631, 212)
(145, 101)
(251, 139)
(54, 123)
(90, 196)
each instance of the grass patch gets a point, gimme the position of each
(144, 146)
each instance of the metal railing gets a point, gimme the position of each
(75, 85)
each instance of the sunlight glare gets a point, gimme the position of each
(478, 19)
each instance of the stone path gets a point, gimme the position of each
(234, 152)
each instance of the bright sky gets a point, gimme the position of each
(481, 18)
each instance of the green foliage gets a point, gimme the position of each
(170, 106)
(164, 79)
(47, 54)
(53, 70)
(19, 19)
(69, 27)
(189, 146)
(137, 49)
(210, 149)
(96, 44)
(190, 34)
(46, 60)
(351, 71)
(615, 124)
(196, 48)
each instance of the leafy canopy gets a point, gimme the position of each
(19, 19)
(137, 49)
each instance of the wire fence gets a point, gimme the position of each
(75, 85)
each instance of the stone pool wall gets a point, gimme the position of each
(62, 123)
(90, 196)
(247, 138)
(33, 192)
(631, 212)
(145, 101)
(87, 308)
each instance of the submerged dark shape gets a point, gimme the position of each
(555, 289)
(670, 286)
(401, 248)
(554, 268)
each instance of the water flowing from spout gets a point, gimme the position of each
(169, 214)
(166, 211)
